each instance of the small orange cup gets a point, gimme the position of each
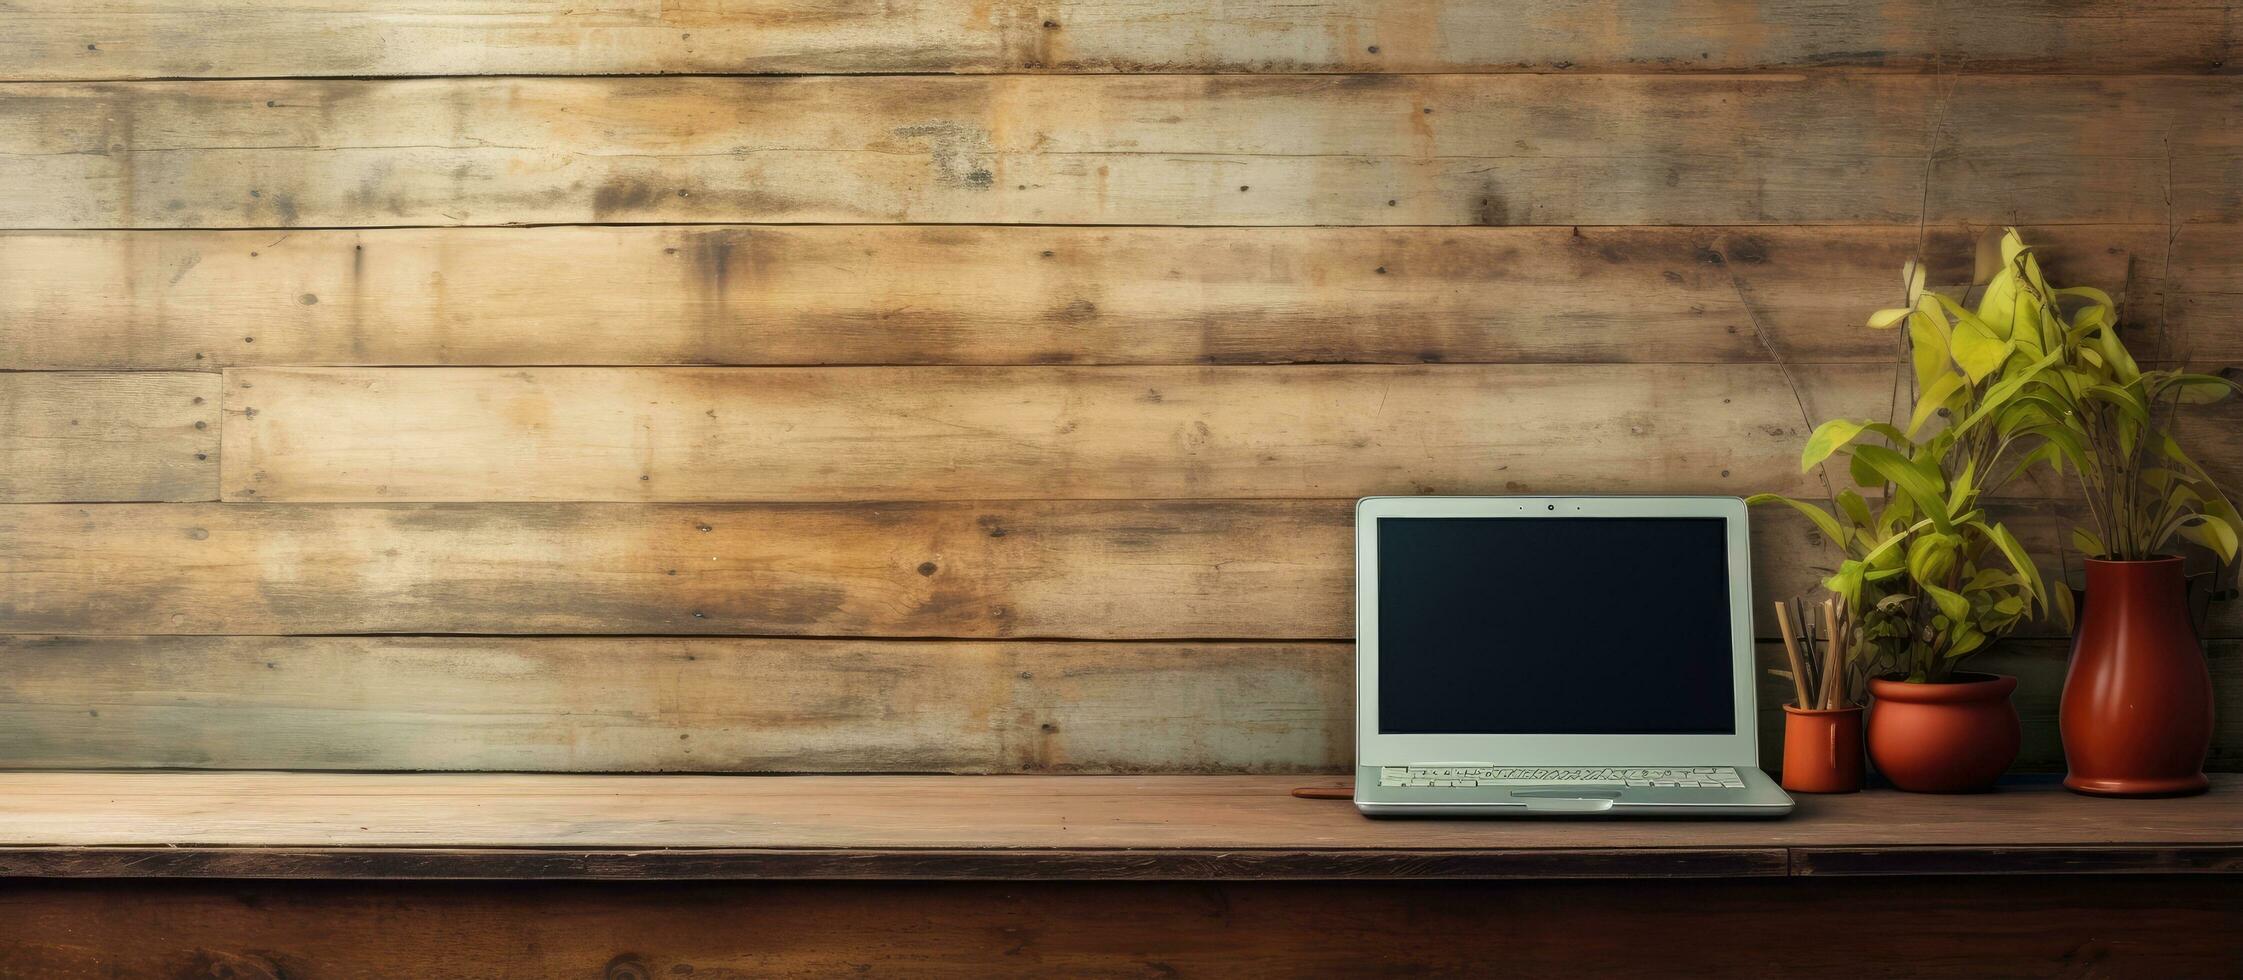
(1822, 750)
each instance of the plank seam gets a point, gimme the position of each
(2213, 70)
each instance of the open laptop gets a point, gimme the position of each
(1529, 656)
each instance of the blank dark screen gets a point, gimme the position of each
(1553, 626)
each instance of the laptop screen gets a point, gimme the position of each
(1554, 626)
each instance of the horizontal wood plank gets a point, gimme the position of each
(94, 436)
(952, 864)
(447, 930)
(980, 813)
(913, 433)
(202, 300)
(142, 862)
(59, 39)
(1080, 569)
(1028, 569)
(732, 705)
(1204, 150)
(671, 704)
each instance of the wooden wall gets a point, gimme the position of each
(966, 385)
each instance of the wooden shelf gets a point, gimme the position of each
(507, 826)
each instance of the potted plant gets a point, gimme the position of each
(2136, 716)
(1926, 578)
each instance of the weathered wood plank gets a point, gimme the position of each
(1276, 569)
(672, 704)
(979, 813)
(2124, 926)
(918, 433)
(1205, 150)
(199, 300)
(914, 433)
(56, 39)
(728, 705)
(1104, 570)
(88, 436)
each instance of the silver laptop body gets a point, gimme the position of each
(1543, 656)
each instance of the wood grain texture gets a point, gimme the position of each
(367, 864)
(969, 813)
(672, 704)
(54, 39)
(1111, 569)
(200, 300)
(911, 433)
(731, 705)
(1079, 864)
(92, 436)
(949, 864)
(1080, 569)
(1343, 150)
(915, 433)
(2121, 927)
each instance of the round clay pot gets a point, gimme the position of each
(1956, 737)
(2137, 710)
(1822, 750)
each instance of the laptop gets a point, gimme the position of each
(1533, 656)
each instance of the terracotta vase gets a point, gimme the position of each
(1822, 750)
(2137, 710)
(1956, 737)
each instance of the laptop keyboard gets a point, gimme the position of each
(1706, 777)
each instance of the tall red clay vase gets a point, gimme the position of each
(2137, 710)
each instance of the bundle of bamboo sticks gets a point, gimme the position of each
(1818, 657)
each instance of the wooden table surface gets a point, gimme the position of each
(333, 825)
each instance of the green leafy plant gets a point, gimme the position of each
(2097, 412)
(1926, 579)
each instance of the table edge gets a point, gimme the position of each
(1098, 864)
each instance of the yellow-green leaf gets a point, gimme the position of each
(1826, 439)
(2212, 533)
(1989, 578)
(2013, 245)
(2007, 388)
(1933, 399)
(2115, 356)
(1855, 508)
(2087, 544)
(1923, 488)
(2018, 558)
(2201, 389)
(1927, 346)
(1951, 604)
(2123, 399)
(2090, 294)
(1931, 557)
(1979, 352)
(1823, 521)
